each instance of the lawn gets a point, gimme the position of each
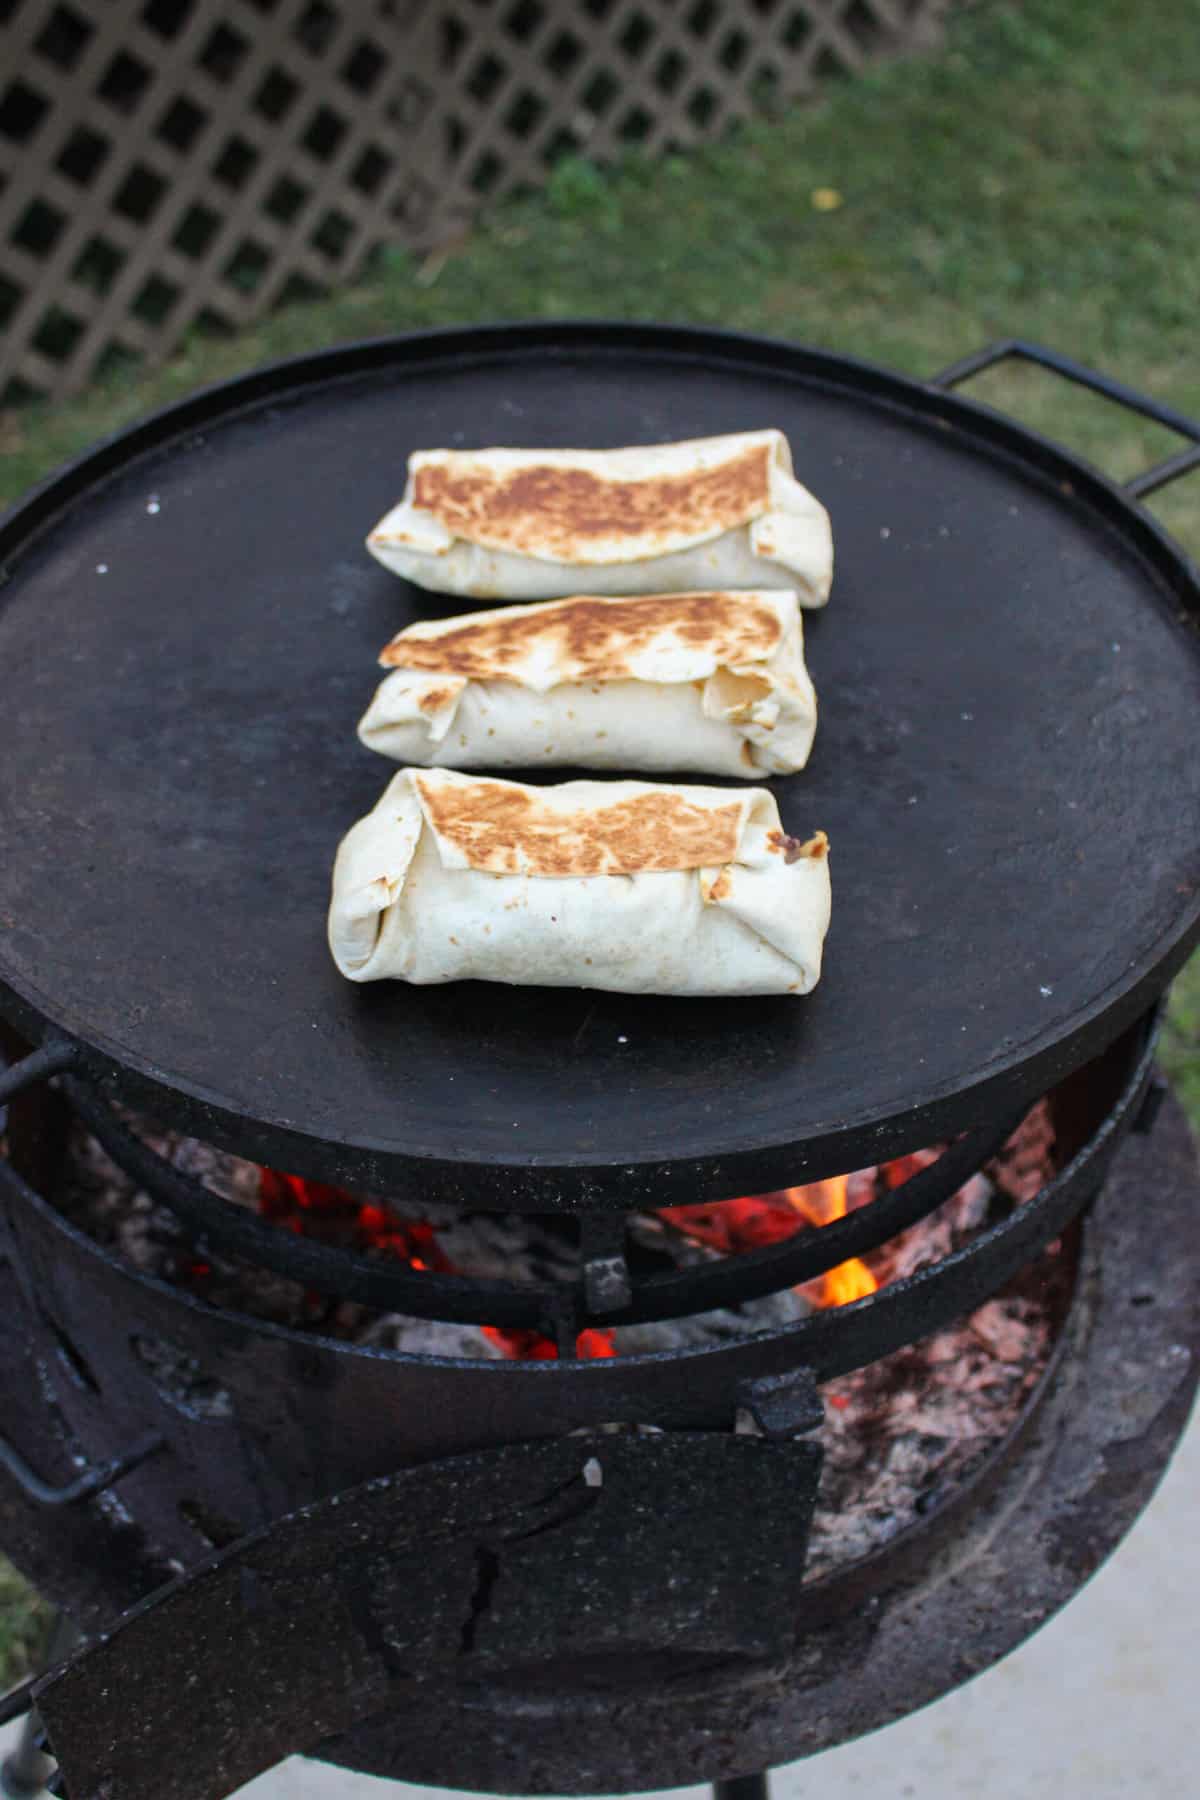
(1037, 178)
(23, 1622)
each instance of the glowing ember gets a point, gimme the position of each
(731, 1226)
(312, 1209)
(531, 1346)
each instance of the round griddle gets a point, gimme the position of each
(1009, 679)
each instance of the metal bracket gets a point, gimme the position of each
(783, 1406)
(1150, 480)
(19, 1700)
(607, 1287)
(85, 1486)
(53, 1058)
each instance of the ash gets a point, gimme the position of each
(899, 1436)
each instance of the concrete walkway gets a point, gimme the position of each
(1099, 1706)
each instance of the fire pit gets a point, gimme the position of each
(899, 1433)
(581, 1570)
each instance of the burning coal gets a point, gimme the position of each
(731, 1226)
(311, 1209)
(897, 1434)
(726, 1228)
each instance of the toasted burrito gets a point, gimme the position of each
(626, 885)
(722, 512)
(710, 682)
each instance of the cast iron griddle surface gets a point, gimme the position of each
(1005, 765)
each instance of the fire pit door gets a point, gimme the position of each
(685, 1548)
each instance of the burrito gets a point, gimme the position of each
(625, 885)
(722, 512)
(710, 682)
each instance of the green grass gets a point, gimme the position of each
(23, 1621)
(1038, 178)
(1180, 1053)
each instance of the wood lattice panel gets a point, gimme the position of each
(168, 161)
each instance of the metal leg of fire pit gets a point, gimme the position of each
(24, 1773)
(743, 1787)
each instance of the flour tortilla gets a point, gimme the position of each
(627, 885)
(714, 683)
(501, 524)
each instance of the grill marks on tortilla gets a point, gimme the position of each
(508, 830)
(590, 639)
(551, 510)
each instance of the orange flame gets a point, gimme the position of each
(313, 1209)
(731, 1226)
(821, 1202)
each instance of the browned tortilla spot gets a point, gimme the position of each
(720, 889)
(595, 639)
(792, 849)
(435, 698)
(551, 510)
(508, 830)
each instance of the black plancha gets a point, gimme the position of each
(1009, 678)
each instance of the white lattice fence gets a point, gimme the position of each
(165, 161)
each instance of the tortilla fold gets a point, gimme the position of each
(628, 886)
(713, 683)
(505, 524)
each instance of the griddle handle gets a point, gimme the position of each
(1150, 480)
(53, 1058)
(86, 1485)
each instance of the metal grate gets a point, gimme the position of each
(169, 162)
